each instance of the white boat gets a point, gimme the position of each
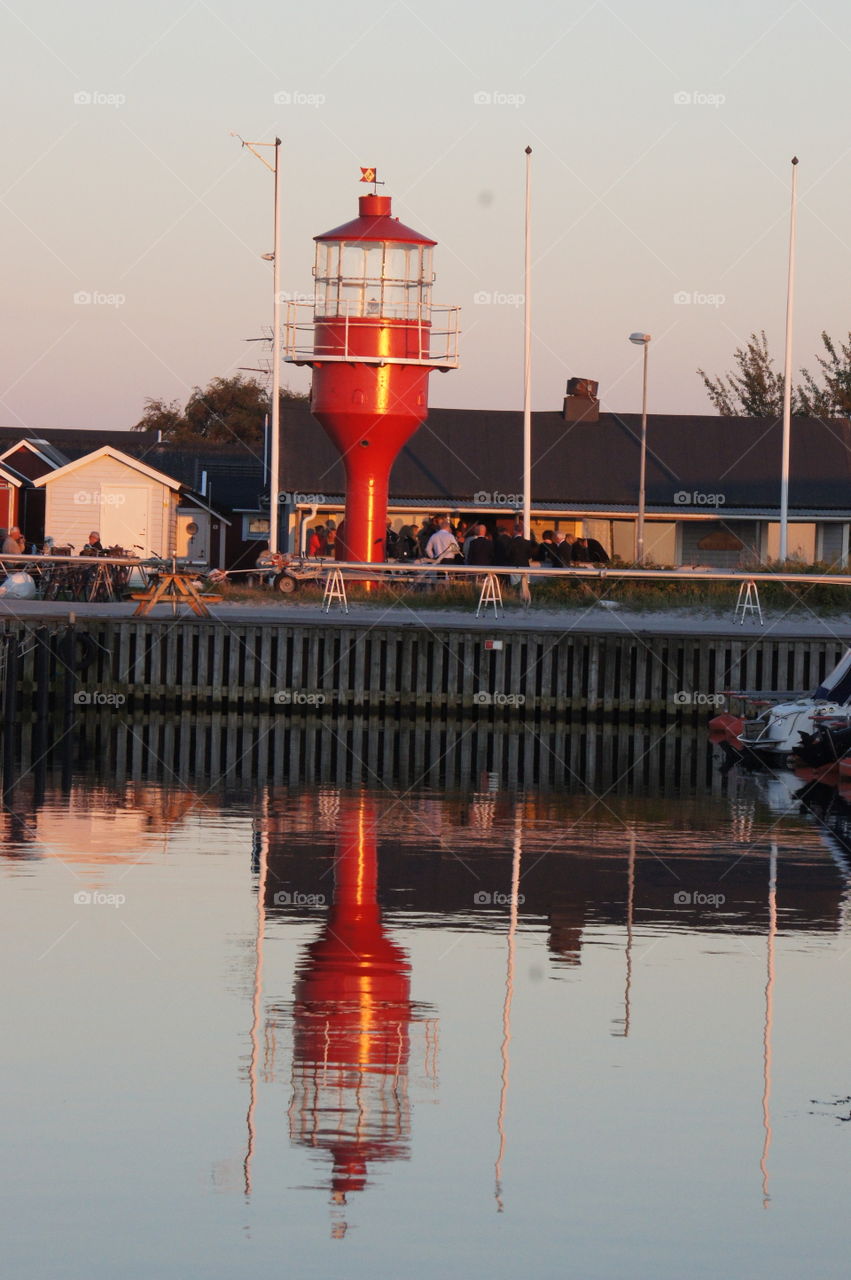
(777, 729)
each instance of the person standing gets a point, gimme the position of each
(316, 541)
(391, 543)
(563, 544)
(547, 553)
(408, 545)
(442, 545)
(502, 547)
(428, 528)
(478, 548)
(520, 549)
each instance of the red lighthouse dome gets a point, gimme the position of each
(374, 344)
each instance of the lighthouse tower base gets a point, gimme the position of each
(386, 405)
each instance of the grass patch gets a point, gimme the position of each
(578, 593)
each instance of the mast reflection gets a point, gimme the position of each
(352, 1016)
(768, 1025)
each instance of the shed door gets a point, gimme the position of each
(124, 517)
(193, 534)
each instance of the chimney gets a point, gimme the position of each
(581, 403)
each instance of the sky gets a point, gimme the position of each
(133, 222)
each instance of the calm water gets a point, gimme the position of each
(282, 1008)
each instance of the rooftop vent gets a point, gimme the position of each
(581, 403)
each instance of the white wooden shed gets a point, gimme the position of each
(130, 504)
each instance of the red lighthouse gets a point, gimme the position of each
(376, 337)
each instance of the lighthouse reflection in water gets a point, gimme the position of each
(352, 1019)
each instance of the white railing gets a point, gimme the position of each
(436, 344)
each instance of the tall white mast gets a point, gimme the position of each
(787, 376)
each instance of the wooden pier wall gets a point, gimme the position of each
(408, 671)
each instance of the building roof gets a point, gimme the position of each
(458, 455)
(14, 477)
(74, 442)
(375, 222)
(135, 464)
(234, 473)
(42, 451)
(234, 476)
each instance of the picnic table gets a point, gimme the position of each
(174, 587)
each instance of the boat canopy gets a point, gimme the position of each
(836, 687)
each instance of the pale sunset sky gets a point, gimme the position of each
(662, 136)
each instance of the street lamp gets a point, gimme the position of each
(641, 340)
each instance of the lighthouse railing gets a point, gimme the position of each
(437, 343)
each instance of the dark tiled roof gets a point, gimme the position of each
(458, 453)
(234, 477)
(75, 444)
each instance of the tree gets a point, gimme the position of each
(160, 415)
(833, 400)
(227, 411)
(755, 391)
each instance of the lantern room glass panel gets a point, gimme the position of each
(327, 279)
(373, 278)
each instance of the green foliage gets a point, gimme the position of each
(226, 411)
(755, 388)
(833, 399)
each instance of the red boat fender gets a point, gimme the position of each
(725, 726)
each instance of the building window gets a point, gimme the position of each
(255, 528)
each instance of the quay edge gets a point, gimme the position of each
(53, 666)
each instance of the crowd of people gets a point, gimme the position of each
(440, 539)
(445, 541)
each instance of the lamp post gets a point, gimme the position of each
(275, 258)
(642, 340)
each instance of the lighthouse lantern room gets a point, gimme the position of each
(372, 341)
